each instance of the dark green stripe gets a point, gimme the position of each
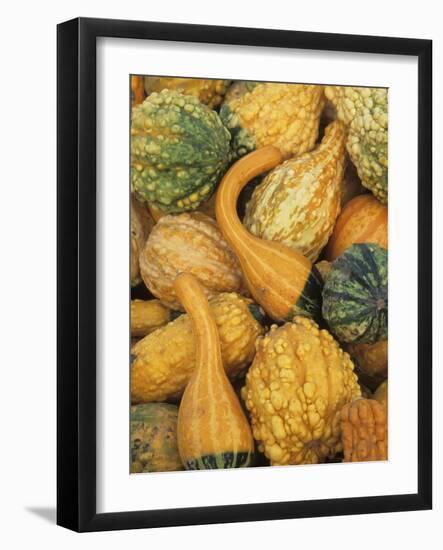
(220, 461)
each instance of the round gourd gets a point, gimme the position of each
(179, 151)
(154, 438)
(355, 295)
(265, 113)
(193, 243)
(298, 202)
(279, 278)
(363, 220)
(210, 92)
(295, 390)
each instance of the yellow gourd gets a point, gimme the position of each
(147, 316)
(280, 279)
(213, 431)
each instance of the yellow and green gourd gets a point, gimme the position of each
(213, 432)
(210, 92)
(266, 113)
(298, 202)
(179, 151)
(281, 280)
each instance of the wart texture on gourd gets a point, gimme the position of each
(265, 113)
(179, 150)
(280, 279)
(298, 202)
(365, 111)
(355, 295)
(189, 242)
(295, 390)
(213, 431)
(164, 360)
(208, 91)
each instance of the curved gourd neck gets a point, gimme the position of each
(192, 297)
(243, 171)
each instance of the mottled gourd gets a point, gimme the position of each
(295, 389)
(263, 113)
(355, 295)
(209, 92)
(298, 202)
(365, 111)
(179, 151)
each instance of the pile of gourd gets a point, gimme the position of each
(258, 273)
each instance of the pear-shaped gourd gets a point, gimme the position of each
(213, 432)
(279, 278)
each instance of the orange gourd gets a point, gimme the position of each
(280, 279)
(213, 431)
(363, 220)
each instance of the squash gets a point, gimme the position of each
(364, 431)
(355, 295)
(365, 111)
(269, 113)
(154, 438)
(137, 90)
(381, 395)
(141, 224)
(193, 243)
(371, 362)
(280, 279)
(208, 91)
(295, 390)
(164, 361)
(147, 316)
(298, 202)
(179, 151)
(213, 431)
(363, 220)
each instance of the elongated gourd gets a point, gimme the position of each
(280, 279)
(147, 316)
(213, 432)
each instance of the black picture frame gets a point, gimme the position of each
(76, 273)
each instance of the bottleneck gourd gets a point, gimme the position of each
(213, 431)
(355, 295)
(208, 91)
(280, 279)
(266, 113)
(164, 360)
(363, 220)
(365, 111)
(154, 438)
(298, 202)
(364, 431)
(295, 390)
(179, 151)
(189, 242)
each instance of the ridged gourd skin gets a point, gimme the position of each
(295, 389)
(154, 445)
(179, 151)
(141, 225)
(363, 220)
(147, 316)
(265, 113)
(355, 295)
(365, 111)
(210, 92)
(298, 202)
(212, 430)
(164, 361)
(189, 242)
(282, 281)
(371, 361)
(364, 431)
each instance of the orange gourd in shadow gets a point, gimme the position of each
(213, 432)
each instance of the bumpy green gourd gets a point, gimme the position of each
(355, 295)
(179, 151)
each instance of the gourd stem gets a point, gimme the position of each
(243, 171)
(191, 296)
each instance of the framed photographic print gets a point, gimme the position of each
(227, 198)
